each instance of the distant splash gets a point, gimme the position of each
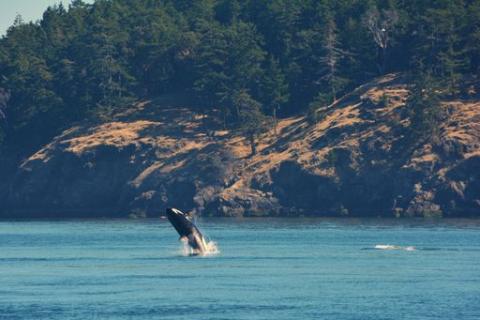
(187, 251)
(393, 247)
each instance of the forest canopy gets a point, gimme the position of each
(275, 57)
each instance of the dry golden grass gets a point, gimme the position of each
(464, 120)
(117, 134)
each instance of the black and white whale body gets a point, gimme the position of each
(187, 230)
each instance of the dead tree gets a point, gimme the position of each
(4, 97)
(381, 26)
(331, 59)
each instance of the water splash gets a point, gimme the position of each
(185, 249)
(211, 249)
(393, 247)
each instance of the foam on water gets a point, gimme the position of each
(394, 247)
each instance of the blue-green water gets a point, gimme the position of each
(266, 269)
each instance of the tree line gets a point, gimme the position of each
(253, 59)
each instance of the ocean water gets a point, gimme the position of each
(265, 269)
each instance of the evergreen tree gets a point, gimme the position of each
(439, 50)
(424, 108)
(4, 97)
(227, 11)
(273, 90)
(252, 121)
(228, 61)
(472, 45)
(88, 59)
(107, 76)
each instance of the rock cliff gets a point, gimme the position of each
(354, 159)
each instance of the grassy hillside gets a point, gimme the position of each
(360, 156)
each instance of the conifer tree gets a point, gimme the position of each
(252, 121)
(472, 44)
(424, 108)
(229, 61)
(274, 90)
(91, 57)
(439, 49)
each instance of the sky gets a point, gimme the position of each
(30, 10)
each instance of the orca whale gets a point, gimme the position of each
(187, 230)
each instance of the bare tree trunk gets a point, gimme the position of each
(252, 144)
(275, 122)
(119, 86)
(384, 60)
(381, 24)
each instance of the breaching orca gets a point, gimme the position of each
(187, 230)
